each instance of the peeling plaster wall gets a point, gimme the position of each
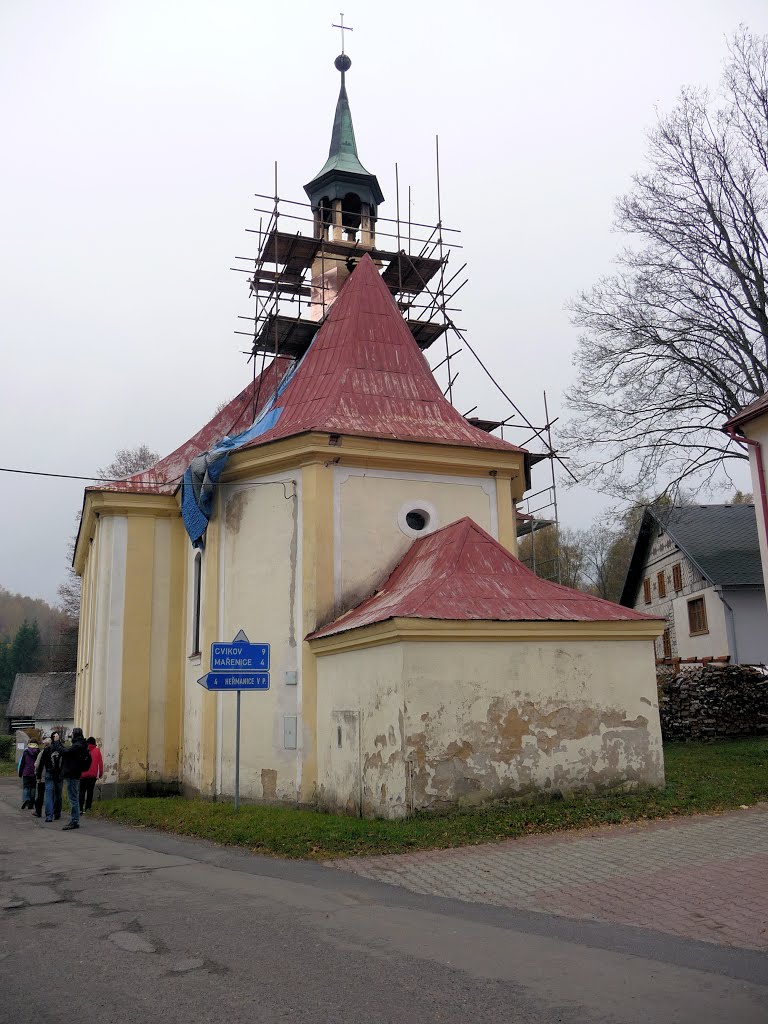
(361, 693)
(458, 723)
(106, 612)
(368, 504)
(260, 583)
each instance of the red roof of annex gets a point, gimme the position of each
(461, 573)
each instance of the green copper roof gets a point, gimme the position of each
(342, 156)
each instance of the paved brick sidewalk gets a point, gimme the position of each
(700, 878)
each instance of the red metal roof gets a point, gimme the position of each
(364, 375)
(165, 476)
(462, 573)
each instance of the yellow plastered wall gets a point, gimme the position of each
(84, 697)
(200, 707)
(317, 559)
(260, 588)
(165, 668)
(371, 536)
(136, 663)
(506, 513)
(129, 659)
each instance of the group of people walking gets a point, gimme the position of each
(44, 770)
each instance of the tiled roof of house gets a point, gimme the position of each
(720, 540)
(42, 695)
(461, 573)
(57, 699)
(25, 694)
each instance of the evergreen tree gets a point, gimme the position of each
(26, 655)
(22, 654)
(6, 669)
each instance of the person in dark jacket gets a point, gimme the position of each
(40, 795)
(76, 760)
(90, 775)
(27, 774)
(49, 770)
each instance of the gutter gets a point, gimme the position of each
(744, 441)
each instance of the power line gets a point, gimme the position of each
(98, 479)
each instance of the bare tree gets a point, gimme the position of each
(556, 554)
(597, 544)
(128, 461)
(675, 342)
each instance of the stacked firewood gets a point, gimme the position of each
(710, 702)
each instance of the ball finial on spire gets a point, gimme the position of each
(342, 63)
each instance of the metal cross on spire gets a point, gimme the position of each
(344, 28)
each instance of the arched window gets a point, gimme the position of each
(351, 209)
(325, 214)
(196, 594)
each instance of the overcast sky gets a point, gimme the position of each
(135, 134)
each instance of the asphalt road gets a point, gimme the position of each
(109, 924)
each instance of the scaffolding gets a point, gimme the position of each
(292, 292)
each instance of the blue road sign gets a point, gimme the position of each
(235, 680)
(239, 656)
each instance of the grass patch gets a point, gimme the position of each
(700, 778)
(8, 766)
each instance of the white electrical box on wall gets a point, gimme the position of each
(289, 732)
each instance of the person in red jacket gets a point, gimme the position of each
(90, 775)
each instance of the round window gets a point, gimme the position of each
(417, 519)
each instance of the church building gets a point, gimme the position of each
(343, 511)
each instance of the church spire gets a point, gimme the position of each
(343, 194)
(342, 154)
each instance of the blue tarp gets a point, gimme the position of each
(202, 474)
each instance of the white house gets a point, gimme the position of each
(698, 566)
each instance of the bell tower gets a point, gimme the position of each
(344, 197)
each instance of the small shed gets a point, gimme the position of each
(467, 678)
(42, 701)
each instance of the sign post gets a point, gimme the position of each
(237, 753)
(238, 666)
